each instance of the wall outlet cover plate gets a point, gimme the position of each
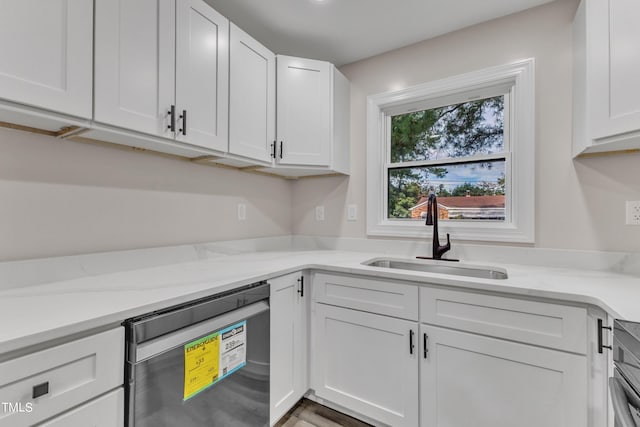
(633, 212)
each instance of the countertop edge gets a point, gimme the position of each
(59, 332)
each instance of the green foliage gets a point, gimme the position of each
(474, 127)
(410, 138)
(483, 189)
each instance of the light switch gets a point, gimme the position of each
(319, 213)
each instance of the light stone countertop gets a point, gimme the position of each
(34, 314)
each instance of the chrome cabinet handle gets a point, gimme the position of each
(620, 404)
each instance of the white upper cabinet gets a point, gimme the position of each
(252, 102)
(47, 54)
(135, 64)
(170, 76)
(202, 75)
(162, 69)
(304, 111)
(312, 114)
(606, 85)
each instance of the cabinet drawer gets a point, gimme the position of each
(376, 296)
(544, 324)
(68, 374)
(105, 411)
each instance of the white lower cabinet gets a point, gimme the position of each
(473, 359)
(105, 411)
(473, 380)
(289, 343)
(367, 363)
(61, 377)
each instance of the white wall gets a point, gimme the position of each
(579, 204)
(61, 198)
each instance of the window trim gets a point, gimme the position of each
(520, 158)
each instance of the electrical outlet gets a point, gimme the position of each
(319, 213)
(352, 212)
(633, 212)
(242, 212)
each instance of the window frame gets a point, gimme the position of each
(515, 79)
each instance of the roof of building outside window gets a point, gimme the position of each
(497, 201)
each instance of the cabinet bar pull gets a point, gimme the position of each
(273, 150)
(601, 346)
(411, 346)
(280, 149)
(301, 290)
(40, 390)
(184, 122)
(172, 118)
(425, 350)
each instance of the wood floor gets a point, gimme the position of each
(310, 414)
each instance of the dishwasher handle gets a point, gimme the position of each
(180, 337)
(620, 403)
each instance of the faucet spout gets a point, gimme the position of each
(432, 219)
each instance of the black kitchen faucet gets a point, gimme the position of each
(432, 219)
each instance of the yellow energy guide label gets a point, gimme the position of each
(211, 358)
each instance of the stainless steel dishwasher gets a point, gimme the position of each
(204, 363)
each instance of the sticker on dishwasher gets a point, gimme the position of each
(201, 364)
(214, 357)
(233, 348)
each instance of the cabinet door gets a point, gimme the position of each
(135, 64)
(47, 54)
(304, 111)
(252, 103)
(614, 33)
(472, 380)
(364, 362)
(105, 411)
(202, 75)
(289, 300)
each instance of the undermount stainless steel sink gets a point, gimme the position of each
(441, 268)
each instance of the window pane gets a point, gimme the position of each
(470, 128)
(465, 191)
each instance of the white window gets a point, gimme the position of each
(468, 138)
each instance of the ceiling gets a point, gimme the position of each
(345, 31)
